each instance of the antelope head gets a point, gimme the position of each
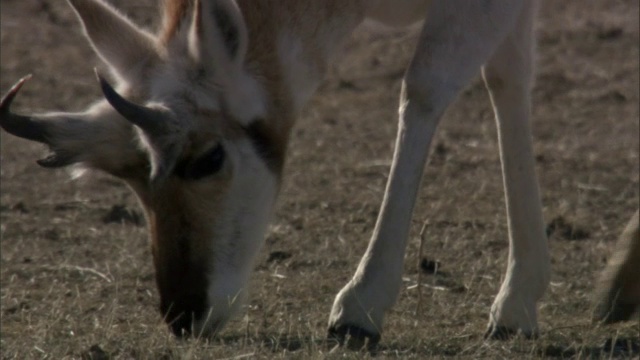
(186, 129)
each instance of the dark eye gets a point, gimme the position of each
(204, 165)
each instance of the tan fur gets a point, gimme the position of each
(175, 12)
(265, 20)
(176, 218)
(618, 295)
(117, 40)
(234, 75)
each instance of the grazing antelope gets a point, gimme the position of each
(201, 116)
(618, 294)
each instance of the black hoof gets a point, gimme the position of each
(499, 333)
(504, 333)
(612, 312)
(353, 337)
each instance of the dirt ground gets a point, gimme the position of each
(76, 273)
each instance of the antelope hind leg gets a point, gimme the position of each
(618, 292)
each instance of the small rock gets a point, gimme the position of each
(120, 214)
(622, 347)
(429, 266)
(610, 34)
(278, 256)
(95, 352)
(51, 234)
(347, 85)
(566, 230)
(20, 207)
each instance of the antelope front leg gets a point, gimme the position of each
(457, 38)
(508, 77)
(359, 307)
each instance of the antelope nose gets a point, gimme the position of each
(182, 312)
(185, 326)
(181, 326)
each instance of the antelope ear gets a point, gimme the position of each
(128, 49)
(217, 42)
(218, 38)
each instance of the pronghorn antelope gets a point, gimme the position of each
(200, 119)
(618, 295)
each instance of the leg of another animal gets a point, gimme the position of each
(618, 294)
(457, 38)
(508, 76)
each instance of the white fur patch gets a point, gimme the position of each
(245, 98)
(241, 94)
(240, 230)
(301, 77)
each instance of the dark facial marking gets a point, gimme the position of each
(182, 284)
(208, 164)
(191, 303)
(229, 31)
(265, 145)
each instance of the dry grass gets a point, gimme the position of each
(73, 286)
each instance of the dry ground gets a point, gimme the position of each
(77, 279)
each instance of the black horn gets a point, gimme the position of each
(149, 120)
(19, 125)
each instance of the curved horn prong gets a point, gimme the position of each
(147, 119)
(8, 99)
(19, 125)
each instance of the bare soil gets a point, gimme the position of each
(76, 274)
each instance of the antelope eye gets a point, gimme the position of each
(206, 164)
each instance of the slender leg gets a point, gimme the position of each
(457, 38)
(508, 76)
(618, 294)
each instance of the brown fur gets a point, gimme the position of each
(181, 221)
(174, 14)
(264, 19)
(618, 296)
(173, 224)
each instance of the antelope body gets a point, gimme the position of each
(199, 122)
